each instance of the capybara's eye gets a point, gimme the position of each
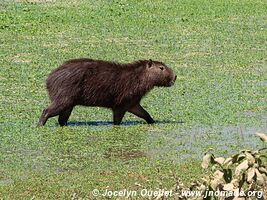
(161, 67)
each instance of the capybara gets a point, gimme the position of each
(119, 87)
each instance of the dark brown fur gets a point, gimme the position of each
(106, 84)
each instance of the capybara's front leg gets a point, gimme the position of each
(64, 116)
(118, 114)
(139, 111)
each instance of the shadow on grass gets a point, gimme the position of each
(124, 123)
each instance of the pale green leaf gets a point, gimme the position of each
(260, 178)
(242, 166)
(219, 160)
(206, 161)
(228, 187)
(251, 174)
(262, 136)
(250, 158)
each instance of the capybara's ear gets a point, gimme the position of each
(150, 62)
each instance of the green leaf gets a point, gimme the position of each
(227, 175)
(238, 157)
(263, 170)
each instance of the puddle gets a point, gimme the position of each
(107, 125)
(193, 143)
(101, 125)
(263, 83)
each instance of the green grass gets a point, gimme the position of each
(217, 49)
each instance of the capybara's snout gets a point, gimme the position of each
(171, 83)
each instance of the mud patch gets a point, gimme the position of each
(124, 154)
(6, 182)
(22, 58)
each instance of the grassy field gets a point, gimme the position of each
(218, 50)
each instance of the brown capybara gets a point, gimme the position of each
(107, 84)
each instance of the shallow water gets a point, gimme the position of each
(194, 142)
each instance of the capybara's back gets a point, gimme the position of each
(66, 80)
(106, 84)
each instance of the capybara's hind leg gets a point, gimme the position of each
(64, 116)
(53, 110)
(139, 111)
(43, 118)
(117, 116)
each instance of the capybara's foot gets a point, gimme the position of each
(39, 125)
(151, 122)
(63, 124)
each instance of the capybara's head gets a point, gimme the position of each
(160, 74)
